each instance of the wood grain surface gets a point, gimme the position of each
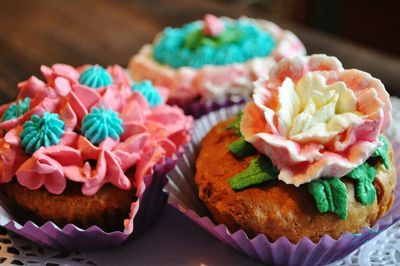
(75, 32)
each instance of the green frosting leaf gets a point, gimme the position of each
(330, 195)
(241, 148)
(259, 171)
(383, 152)
(197, 38)
(365, 190)
(235, 125)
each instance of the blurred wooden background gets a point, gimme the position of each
(108, 32)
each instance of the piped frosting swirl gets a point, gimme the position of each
(149, 92)
(100, 124)
(16, 109)
(95, 77)
(42, 131)
(238, 42)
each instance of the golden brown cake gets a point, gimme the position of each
(275, 208)
(106, 209)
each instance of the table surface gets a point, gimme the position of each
(33, 33)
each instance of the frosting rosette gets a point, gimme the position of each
(315, 119)
(214, 58)
(106, 132)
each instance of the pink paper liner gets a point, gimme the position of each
(71, 237)
(200, 107)
(183, 196)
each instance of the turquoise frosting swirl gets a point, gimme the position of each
(188, 46)
(100, 124)
(41, 131)
(95, 77)
(16, 110)
(148, 91)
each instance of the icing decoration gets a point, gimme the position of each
(149, 135)
(15, 110)
(188, 46)
(235, 125)
(197, 39)
(148, 91)
(383, 152)
(95, 77)
(314, 119)
(215, 81)
(330, 196)
(241, 148)
(259, 171)
(365, 190)
(41, 131)
(100, 124)
(213, 26)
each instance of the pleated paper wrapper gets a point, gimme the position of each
(200, 107)
(147, 209)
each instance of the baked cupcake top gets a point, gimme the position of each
(214, 57)
(314, 122)
(88, 125)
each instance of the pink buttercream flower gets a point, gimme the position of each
(47, 168)
(11, 154)
(314, 119)
(213, 26)
(150, 134)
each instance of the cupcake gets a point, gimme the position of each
(303, 174)
(212, 63)
(79, 148)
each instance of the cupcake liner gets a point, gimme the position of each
(70, 237)
(200, 107)
(183, 195)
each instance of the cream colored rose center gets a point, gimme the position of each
(311, 110)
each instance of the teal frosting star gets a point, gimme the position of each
(15, 110)
(100, 124)
(41, 131)
(95, 77)
(148, 91)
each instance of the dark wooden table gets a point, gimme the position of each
(107, 32)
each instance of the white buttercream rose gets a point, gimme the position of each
(314, 119)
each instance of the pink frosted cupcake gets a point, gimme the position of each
(212, 63)
(82, 147)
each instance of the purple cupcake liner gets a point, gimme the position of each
(200, 107)
(150, 203)
(183, 196)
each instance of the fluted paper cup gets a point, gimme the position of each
(146, 210)
(183, 195)
(200, 107)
